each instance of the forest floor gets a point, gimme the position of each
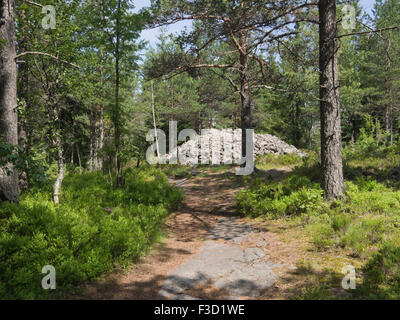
(209, 252)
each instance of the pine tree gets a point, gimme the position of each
(8, 98)
(331, 137)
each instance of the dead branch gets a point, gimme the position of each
(47, 55)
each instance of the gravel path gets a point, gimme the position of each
(209, 252)
(225, 263)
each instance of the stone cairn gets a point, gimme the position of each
(224, 146)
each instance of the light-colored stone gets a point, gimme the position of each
(215, 147)
(253, 254)
(249, 281)
(241, 272)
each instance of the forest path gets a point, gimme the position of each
(209, 252)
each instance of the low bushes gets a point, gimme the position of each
(93, 229)
(382, 272)
(364, 227)
(292, 196)
(369, 215)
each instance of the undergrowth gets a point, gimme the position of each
(93, 229)
(365, 224)
(271, 161)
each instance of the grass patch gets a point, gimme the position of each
(271, 161)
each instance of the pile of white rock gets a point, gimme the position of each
(224, 146)
(266, 143)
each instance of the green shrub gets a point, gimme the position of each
(341, 222)
(368, 184)
(368, 196)
(382, 272)
(304, 200)
(93, 229)
(365, 145)
(312, 159)
(322, 235)
(293, 196)
(364, 233)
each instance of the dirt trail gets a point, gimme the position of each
(209, 252)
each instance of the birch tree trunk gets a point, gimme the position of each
(60, 163)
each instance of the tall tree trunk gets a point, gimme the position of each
(60, 163)
(79, 156)
(24, 179)
(331, 137)
(388, 97)
(72, 152)
(198, 122)
(100, 128)
(116, 115)
(92, 143)
(378, 136)
(154, 118)
(353, 132)
(9, 188)
(246, 117)
(391, 125)
(23, 95)
(296, 134)
(101, 116)
(387, 110)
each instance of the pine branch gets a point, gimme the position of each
(367, 32)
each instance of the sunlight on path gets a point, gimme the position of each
(224, 264)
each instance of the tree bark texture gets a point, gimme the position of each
(331, 137)
(9, 189)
